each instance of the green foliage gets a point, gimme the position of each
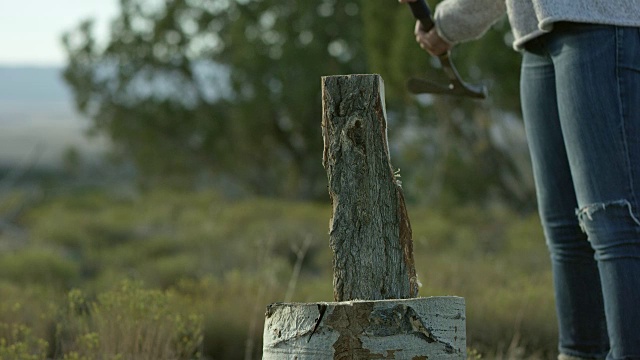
(210, 266)
(27, 318)
(37, 266)
(220, 87)
(17, 342)
(125, 322)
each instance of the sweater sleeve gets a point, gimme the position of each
(462, 20)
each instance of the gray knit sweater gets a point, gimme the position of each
(462, 20)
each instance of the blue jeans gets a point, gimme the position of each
(580, 89)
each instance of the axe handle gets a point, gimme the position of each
(421, 11)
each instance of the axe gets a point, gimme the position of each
(456, 86)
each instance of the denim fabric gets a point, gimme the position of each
(580, 88)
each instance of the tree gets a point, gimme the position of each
(225, 87)
(230, 89)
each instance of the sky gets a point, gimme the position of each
(31, 30)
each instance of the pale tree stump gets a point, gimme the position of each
(425, 328)
(376, 315)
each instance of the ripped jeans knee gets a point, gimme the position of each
(612, 228)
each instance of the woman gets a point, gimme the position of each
(580, 94)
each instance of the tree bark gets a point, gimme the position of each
(370, 233)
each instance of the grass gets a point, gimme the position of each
(190, 274)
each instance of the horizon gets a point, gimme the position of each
(37, 112)
(34, 66)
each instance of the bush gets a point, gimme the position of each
(130, 322)
(17, 342)
(39, 266)
(27, 319)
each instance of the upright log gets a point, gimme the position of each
(370, 234)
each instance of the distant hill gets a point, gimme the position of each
(37, 111)
(33, 84)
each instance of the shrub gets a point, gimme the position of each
(129, 322)
(38, 266)
(17, 342)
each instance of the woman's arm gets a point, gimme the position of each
(457, 21)
(464, 20)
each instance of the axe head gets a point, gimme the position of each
(455, 88)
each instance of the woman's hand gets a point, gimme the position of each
(430, 41)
